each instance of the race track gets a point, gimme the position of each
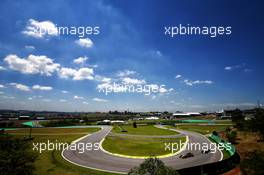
(99, 160)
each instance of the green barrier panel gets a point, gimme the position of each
(228, 147)
(196, 121)
(31, 124)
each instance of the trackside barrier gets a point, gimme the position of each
(228, 147)
(215, 168)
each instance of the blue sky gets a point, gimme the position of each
(64, 72)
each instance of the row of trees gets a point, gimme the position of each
(255, 124)
(252, 164)
(16, 156)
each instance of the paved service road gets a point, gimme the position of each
(97, 159)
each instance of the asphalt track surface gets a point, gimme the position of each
(99, 160)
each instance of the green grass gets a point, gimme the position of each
(51, 162)
(203, 129)
(143, 130)
(139, 146)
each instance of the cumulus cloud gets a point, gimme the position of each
(42, 88)
(80, 60)
(128, 80)
(100, 100)
(178, 76)
(2, 86)
(84, 73)
(29, 47)
(33, 64)
(84, 42)
(238, 66)
(41, 29)
(103, 79)
(126, 73)
(228, 68)
(80, 74)
(85, 102)
(78, 97)
(21, 87)
(2, 68)
(65, 72)
(65, 92)
(191, 83)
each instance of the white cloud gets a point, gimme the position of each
(80, 60)
(102, 79)
(42, 88)
(93, 66)
(153, 97)
(162, 90)
(30, 98)
(2, 68)
(29, 47)
(128, 80)
(158, 53)
(65, 92)
(39, 29)
(100, 100)
(126, 73)
(178, 76)
(191, 83)
(228, 68)
(84, 73)
(66, 72)
(81, 74)
(85, 102)
(78, 97)
(21, 87)
(238, 66)
(63, 100)
(84, 42)
(1, 92)
(33, 64)
(2, 86)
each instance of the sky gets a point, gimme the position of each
(127, 45)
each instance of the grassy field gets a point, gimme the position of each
(203, 129)
(51, 162)
(139, 146)
(143, 130)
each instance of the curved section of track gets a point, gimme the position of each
(99, 160)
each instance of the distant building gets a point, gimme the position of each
(40, 118)
(187, 114)
(152, 118)
(117, 122)
(24, 117)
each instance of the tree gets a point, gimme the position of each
(16, 156)
(231, 136)
(253, 163)
(134, 124)
(238, 118)
(258, 122)
(152, 166)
